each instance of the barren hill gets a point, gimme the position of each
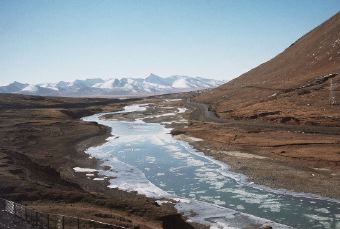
(300, 85)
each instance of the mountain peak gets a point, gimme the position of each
(153, 76)
(16, 83)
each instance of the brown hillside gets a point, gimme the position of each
(294, 87)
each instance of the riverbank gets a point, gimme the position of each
(255, 155)
(292, 157)
(42, 140)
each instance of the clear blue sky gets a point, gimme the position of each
(48, 41)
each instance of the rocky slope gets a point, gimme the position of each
(300, 85)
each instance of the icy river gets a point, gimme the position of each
(144, 157)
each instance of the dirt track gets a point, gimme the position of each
(201, 112)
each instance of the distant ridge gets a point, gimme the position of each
(151, 85)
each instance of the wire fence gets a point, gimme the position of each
(53, 221)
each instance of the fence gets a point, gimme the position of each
(53, 221)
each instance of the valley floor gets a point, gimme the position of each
(43, 139)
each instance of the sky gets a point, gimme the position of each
(49, 41)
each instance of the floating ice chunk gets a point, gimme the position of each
(240, 207)
(219, 202)
(323, 210)
(320, 220)
(274, 207)
(194, 162)
(150, 159)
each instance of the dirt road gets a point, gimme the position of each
(202, 112)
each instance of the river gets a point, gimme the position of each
(144, 157)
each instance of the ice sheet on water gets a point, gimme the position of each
(129, 178)
(220, 217)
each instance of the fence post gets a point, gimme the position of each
(48, 221)
(62, 222)
(36, 218)
(78, 222)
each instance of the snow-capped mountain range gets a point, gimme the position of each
(151, 85)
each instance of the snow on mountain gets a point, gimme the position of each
(52, 86)
(180, 83)
(30, 88)
(151, 85)
(106, 84)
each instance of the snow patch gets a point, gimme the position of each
(31, 88)
(180, 84)
(84, 170)
(181, 110)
